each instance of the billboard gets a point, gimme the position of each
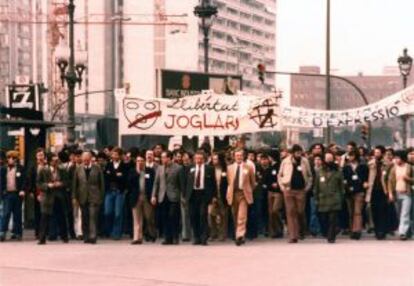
(176, 84)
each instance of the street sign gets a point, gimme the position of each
(19, 96)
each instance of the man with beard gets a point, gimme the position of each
(295, 180)
(377, 193)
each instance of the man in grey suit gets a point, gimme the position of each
(88, 192)
(168, 185)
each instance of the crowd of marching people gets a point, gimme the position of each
(235, 194)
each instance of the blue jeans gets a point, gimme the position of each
(314, 225)
(114, 213)
(404, 212)
(12, 206)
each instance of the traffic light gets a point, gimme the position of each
(364, 132)
(261, 70)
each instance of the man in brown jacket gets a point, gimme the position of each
(241, 182)
(295, 179)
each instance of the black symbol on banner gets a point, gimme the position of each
(264, 115)
(141, 114)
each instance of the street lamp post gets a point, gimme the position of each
(405, 63)
(328, 67)
(65, 59)
(206, 11)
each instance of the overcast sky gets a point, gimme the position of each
(366, 34)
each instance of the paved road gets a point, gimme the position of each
(263, 262)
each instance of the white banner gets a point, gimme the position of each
(210, 114)
(395, 105)
(207, 114)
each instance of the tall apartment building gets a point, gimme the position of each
(242, 36)
(15, 43)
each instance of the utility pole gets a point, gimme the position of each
(71, 77)
(328, 67)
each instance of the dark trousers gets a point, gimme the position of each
(90, 214)
(69, 215)
(380, 213)
(257, 214)
(170, 213)
(12, 206)
(60, 219)
(199, 216)
(37, 215)
(329, 222)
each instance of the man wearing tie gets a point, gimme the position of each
(241, 182)
(168, 185)
(88, 193)
(201, 188)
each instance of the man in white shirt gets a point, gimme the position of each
(201, 188)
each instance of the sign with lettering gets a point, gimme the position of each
(211, 114)
(22, 96)
(395, 105)
(205, 114)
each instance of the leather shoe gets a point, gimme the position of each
(239, 241)
(41, 242)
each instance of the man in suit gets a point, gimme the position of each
(12, 193)
(185, 213)
(140, 185)
(200, 190)
(88, 193)
(168, 185)
(53, 182)
(219, 209)
(241, 182)
(31, 186)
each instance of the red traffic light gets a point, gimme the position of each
(261, 68)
